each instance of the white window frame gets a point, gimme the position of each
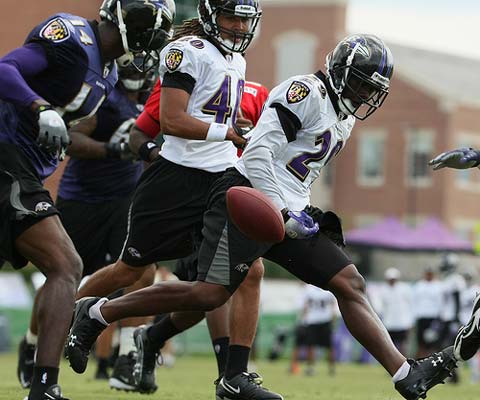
(364, 134)
(423, 181)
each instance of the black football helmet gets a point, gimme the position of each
(209, 10)
(359, 70)
(144, 26)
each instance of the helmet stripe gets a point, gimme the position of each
(381, 66)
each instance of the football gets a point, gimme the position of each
(255, 215)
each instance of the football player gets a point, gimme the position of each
(95, 193)
(61, 74)
(244, 309)
(306, 122)
(203, 77)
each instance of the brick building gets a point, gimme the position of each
(433, 106)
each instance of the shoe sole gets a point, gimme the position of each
(471, 324)
(119, 385)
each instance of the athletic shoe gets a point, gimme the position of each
(467, 341)
(146, 360)
(243, 387)
(122, 375)
(425, 373)
(83, 334)
(54, 392)
(26, 362)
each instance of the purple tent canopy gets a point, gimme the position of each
(433, 235)
(391, 233)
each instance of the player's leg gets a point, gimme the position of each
(320, 262)
(243, 320)
(47, 245)
(467, 341)
(122, 377)
(28, 347)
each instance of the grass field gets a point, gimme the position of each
(192, 378)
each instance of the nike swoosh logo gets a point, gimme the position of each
(230, 388)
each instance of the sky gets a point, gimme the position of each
(451, 26)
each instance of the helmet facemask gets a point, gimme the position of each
(135, 81)
(236, 41)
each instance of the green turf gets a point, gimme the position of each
(192, 378)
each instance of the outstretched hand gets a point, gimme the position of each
(459, 159)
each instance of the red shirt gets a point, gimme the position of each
(253, 99)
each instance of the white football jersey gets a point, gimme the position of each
(285, 168)
(219, 84)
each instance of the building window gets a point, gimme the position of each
(419, 152)
(371, 151)
(296, 53)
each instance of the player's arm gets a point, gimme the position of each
(142, 135)
(458, 159)
(176, 121)
(83, 146)
(180, 69)
(15, 68)
(268, 139)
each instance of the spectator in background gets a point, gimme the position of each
(452, 285)
(427, 294)
(396, 308)
(317, 314)
(467, 296)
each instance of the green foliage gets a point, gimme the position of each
(192, 378)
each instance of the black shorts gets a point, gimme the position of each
(398, 336)
(319, 335)
(225, 253)
(98, 230)
(23, 201)
(166, 213)
(428, 332)
(186, 268)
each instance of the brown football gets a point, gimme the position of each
(255, 215)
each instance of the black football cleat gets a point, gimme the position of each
(244, 386)
(122, 375)
(83, 334)
(467, 341)
(54, 392)
(146, 361)
(26, 362)
(425, 373)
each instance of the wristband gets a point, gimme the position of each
(217, 132)
(145, 150)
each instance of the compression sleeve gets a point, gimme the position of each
(21, 63)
